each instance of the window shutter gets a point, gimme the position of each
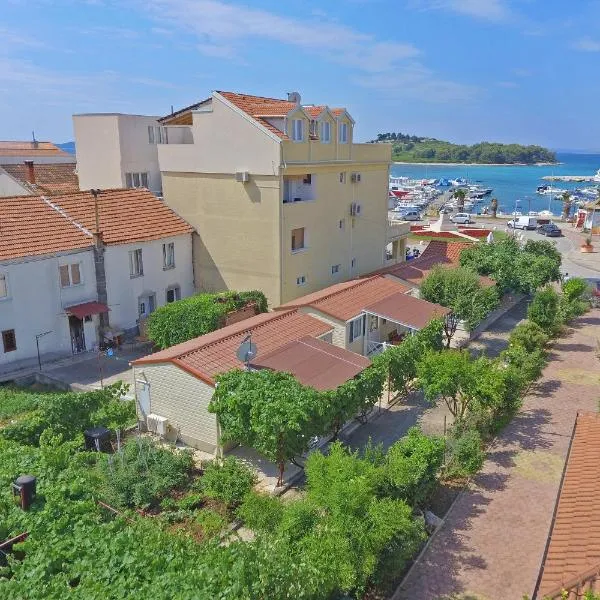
(75, 274)
(3, 287)
(65, 280)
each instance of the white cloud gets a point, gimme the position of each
(587, 44)
(489, 10)
(507, 84)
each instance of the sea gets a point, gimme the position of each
(514, 185)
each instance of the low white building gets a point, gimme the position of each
(64, 285)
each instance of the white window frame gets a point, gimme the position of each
(168, 249)
(343, 133)
(177, 293)
(136, 265)
(342, 176)
(157, 135)
(356, 329)
(4, 278)
(69, 267)
(298, 130)
(137, 180)
(326, 126)
(301, 280)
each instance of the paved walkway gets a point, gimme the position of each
(492, 542)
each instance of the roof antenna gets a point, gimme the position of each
(172, 109)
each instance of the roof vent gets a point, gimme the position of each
(294, 97)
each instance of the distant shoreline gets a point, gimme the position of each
(455, 164)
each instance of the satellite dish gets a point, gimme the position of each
(247, 351)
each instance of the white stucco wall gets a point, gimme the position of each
(225, 141)
(110, 145)
(10, 187)
(38, 160)
(124, 291)
(35, 304)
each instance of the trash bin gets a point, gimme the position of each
(97, 439)
(24, 487)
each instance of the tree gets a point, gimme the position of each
(460, 194)
(567, 203)
(543, 248)
(460, 290)
(543, 310)
(494, 207)
(268, 411)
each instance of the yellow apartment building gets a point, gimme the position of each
(280, 196)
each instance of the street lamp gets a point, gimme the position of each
(37, 345)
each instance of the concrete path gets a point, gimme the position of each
(492, 542)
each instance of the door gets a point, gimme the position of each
(77, 334)
(143, 397)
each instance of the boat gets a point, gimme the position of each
(546, 214)
(548, 190)
(459, 181)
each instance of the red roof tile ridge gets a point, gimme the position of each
(357, 283)
(252, 96)
(64, 214)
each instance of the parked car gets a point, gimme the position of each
(462, 218)
(549, 230)
(523, 223)
(411, 215)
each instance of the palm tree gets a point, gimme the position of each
(494, 207)
(567, 204)
(460, 194)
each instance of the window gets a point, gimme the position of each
(301, 280)
(298, 130)
(3, 287)
(357, 329)
(136, 267)
(343, 133)
(157, 135)
(298, 239)
(9, 340)
(69, 275)
(169, 255)
(342, 224)
(173, 293)
(307, 179)
(343, 177)
(335, 269)
(326, 132)
(353, 263)
(136, 180)
(314, 128)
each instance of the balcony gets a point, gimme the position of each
(299, 189)
(177, 134)
(397, 230)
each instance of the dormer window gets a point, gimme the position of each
(343, 133)
(298, 130)
(326, 132)
(314, 130)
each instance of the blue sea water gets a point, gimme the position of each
(513, 185)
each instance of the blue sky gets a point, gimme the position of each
(466, 70)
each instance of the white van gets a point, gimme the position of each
(523, 223)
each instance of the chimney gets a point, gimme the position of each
(30, 171)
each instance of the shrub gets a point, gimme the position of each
(575, 289)
(260, 512)
(412, 465)
(543, 310)
(14, 401)
(143, 473)
(228, 481)
(298, 520)
(466, 454)
(212, 522)
(191, 317)
(529, 336)
(189, 501)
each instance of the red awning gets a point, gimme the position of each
(87, 308)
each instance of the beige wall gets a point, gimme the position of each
(183, 399)
(338, 335)
(237, 246)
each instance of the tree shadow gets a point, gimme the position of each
(545, 388)
(573, 347)
(585, 321)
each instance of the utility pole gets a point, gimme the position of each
(37, 345)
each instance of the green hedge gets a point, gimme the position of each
(191, 317)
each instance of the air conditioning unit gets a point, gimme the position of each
(242, 176)
(355, 177)
(157, 424)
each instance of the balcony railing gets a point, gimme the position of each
(397, 229)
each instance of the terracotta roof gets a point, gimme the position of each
(50, 178)
(31, 149)
(346, 300)
(436, 253)
(407, 310)
(87, 308)
(126, 216)
(36, 225)
(208, 355)
(315, 363)
(30, 227)
(573, 555)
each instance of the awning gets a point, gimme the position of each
(315, 363)
(87, 308)
(406, 310)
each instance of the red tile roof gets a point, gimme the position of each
(315, 363)
(36, 225)
(408, 310)
(346, 300)
(50, 178)
(208, 355)
(436, 253)
(573, 555)
(31, 149)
